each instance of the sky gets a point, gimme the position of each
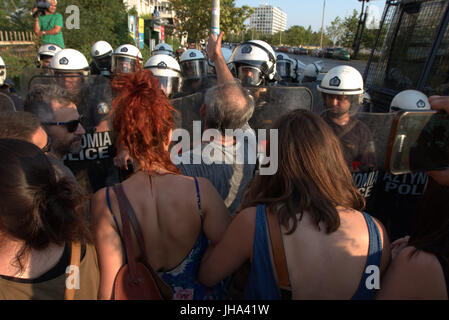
(310, 12)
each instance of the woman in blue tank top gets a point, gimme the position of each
(332, 249)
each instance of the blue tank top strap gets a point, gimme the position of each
(108, 200)
(261, 284)
(374, 258)
(198, 198)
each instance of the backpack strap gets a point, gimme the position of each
(277, 247)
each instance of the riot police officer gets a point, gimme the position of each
(70, 68)
(397, 196)
(9, 101)
(286, 69)
(311, 72)
(342, 91)
(126, 58)
(101, 54)
(163, 48)
(255, 63)
(167, 70)
(194, 70)
(45, 54)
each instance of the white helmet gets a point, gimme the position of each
(254, 61)
(2, 72)
(285, 66)
(163, 48)
(312, 70)
(69, 61)
(342, 80)
(101, 54)
(168, 72)
(193, 64)
(411, 100)
(126, 58)
(47, 51)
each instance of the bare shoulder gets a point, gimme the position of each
(247, 216)
(412, 260)
(414, 274)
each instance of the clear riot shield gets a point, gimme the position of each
(93, 166)
(273, 102)
(188, 111)
(365, 141)
(6, 103)
(390, 198)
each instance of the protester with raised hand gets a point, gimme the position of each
(312, 199)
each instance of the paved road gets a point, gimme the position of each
(330, 63)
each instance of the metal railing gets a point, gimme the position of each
(16, 37)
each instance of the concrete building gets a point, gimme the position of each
(268, 19)
(143, 7)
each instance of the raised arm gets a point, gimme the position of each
(214, 53)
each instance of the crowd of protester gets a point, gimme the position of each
(213, 229)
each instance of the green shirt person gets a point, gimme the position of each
(49, 26)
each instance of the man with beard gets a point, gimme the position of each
(61, 120)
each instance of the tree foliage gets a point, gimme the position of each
(195, 16)
(342, 31)
(99, 20)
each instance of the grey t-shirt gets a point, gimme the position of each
(228, 168)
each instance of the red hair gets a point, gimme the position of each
(143, 118)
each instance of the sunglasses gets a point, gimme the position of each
(71, 126)
(47, 147)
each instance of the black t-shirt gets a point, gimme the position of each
(357, 143)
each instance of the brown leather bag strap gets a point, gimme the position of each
(75, 257)
(277, 246)
(134, 223)
(126, 235)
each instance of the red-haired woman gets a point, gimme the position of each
(178, 215)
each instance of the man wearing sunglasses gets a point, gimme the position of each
(61, 121)
(24, 126)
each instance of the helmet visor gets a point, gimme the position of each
(122, 64)
(340, 105)
(194, 69)
(72, 82)
(170, 85)
(103, 63)
(284, 69)
(249, 76)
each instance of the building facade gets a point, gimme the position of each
(143, 7)
(268, 19)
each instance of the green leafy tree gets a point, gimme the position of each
(349, 26)
(195, 16)
(335, 31)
